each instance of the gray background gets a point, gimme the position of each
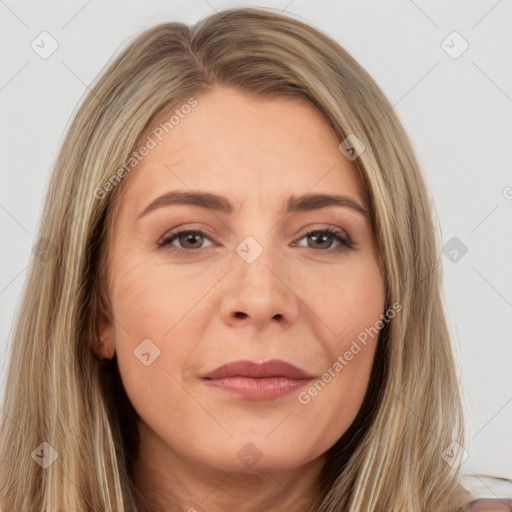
(456, 107)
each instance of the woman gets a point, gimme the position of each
(253, 370)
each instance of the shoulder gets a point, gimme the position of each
(488, 493)
(490, 505)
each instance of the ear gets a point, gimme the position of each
(104, 345)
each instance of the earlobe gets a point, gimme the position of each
(104, 349)
(104, 345)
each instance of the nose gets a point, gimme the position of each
(262, 292)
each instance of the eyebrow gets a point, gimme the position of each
(306, 202)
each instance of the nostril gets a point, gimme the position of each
(239, 314)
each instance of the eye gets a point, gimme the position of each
(187, 236)
(193, 240)
(323, 236)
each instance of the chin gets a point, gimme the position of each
(255, 455)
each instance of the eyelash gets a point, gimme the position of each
(345, 243)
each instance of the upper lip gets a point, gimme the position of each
(273, 368)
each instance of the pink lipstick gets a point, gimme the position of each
(258, 381)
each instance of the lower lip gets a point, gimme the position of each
(258, 389)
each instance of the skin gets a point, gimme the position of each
(301, 301)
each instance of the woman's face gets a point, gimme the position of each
(248, 284)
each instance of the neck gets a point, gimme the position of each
(166, 482)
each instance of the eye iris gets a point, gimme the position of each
(320, 236)
(188, 236)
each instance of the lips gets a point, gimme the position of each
(245, 368)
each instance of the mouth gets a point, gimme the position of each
(258, 389)
(258, 381)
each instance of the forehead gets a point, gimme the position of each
(251, 148)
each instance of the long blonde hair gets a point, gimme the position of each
(393, 457)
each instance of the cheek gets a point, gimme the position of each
(337, 394)
(348, 301)
(151, 350)
(160, 318)
(145, 313)
(357, 318)
(353, 308)
(149, 300)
